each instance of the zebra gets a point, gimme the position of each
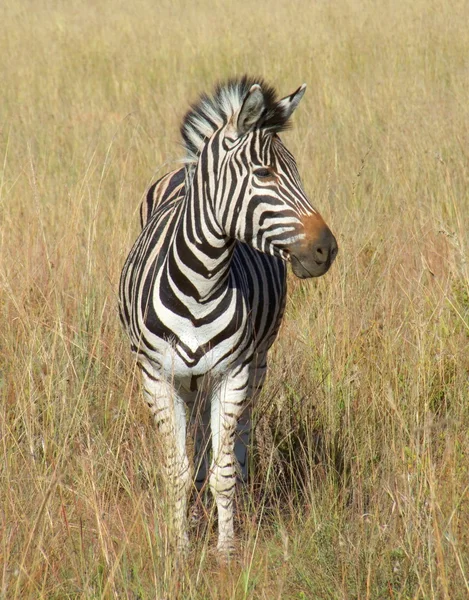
(202, 292)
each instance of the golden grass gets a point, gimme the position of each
(361, 484)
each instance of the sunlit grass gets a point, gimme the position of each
(359, 486)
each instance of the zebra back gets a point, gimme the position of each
(169, 188)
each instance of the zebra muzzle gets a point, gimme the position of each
(314, 259)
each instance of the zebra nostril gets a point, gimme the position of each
(325, 249)
(321, 254)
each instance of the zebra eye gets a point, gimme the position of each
(263, 172)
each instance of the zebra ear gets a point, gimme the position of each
(251, 110)
(288, 104)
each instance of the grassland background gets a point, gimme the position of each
(361, 484)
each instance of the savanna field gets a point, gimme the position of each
(360, 477)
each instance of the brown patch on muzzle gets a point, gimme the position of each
(313, 226)
(314, 254)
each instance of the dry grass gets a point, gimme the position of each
(361, 486)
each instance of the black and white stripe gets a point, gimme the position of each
(202, 292)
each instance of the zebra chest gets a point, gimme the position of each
(193, 342)
(189, 338)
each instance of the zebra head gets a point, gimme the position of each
(251, 178)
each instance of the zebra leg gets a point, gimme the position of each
(168, 410)
(227, 404)
(243, 430)
(241, 444)
(202, 445)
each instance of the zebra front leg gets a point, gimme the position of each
(227, 404)
(168, 410)
(203, 446)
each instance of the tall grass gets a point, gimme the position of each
(360, 482)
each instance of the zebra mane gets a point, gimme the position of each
(210, 113)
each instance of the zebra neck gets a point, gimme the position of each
(202, 251)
